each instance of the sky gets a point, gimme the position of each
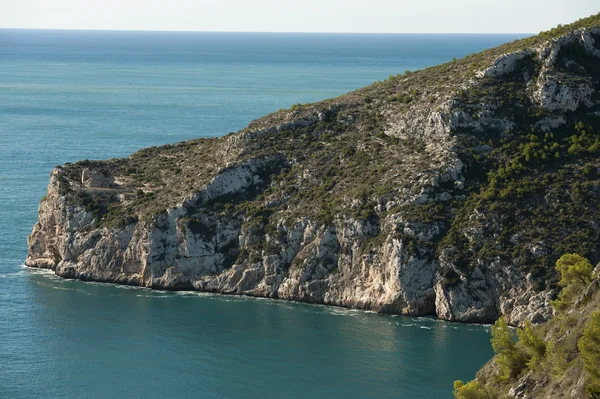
(361, 16)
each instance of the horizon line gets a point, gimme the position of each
(275, 32)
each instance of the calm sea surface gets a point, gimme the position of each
(66, 96)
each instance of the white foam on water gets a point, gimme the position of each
(344, 311)
(12, 275)
(52, 286)
(36, 270)
(195, 294)
(153, 296)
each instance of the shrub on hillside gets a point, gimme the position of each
(510, 358)
(589, 348)
(471, 390)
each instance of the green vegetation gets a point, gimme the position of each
(589, 348)
(574, 270)
(510, 358)
(151, 180)
(534, 347)
(471, 390)
(576, 274)
(554, 357)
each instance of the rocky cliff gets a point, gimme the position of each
(447, 191)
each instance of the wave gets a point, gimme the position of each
(54, 287)
(346, 311)
(35, 270)
(11, 275)
(151, 296)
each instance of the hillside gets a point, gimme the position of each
(557, 359)
(449, 191)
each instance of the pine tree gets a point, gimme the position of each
(589, 348)
(510, 358)
(534, 345)
(574, 269)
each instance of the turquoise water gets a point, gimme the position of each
(66, 96)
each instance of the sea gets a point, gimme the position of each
(72, 95)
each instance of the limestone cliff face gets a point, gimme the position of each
(306, 262)
(370, 201)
